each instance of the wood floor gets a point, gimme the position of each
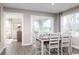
(15, 48)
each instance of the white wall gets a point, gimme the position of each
(75, 42)
(27, 22)
(2, 45)
(0, 23)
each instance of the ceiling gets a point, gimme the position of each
(43, 7)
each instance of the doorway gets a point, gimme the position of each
(13, 27)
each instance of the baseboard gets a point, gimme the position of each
(76, 47)
(27, 44)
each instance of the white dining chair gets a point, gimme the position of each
(37, 44)
(66, 43)
(54, 42)
(37, 47)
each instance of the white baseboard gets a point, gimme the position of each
(74, 46)
(26, 44)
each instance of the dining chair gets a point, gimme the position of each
(37, 45)
(54, 43)
(66, 43)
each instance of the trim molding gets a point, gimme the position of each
(74, 46)
(27, 44)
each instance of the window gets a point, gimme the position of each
(42, 24)
(70, 23)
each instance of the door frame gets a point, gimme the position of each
(5, 36)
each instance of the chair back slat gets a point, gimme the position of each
(66, 42)
(54, 42)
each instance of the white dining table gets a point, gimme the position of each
(42, 40)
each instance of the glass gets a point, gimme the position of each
(70, 23)
(41, 26)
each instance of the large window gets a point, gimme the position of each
(70, 23)
(42, 24)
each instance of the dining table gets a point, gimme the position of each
(42, 40)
